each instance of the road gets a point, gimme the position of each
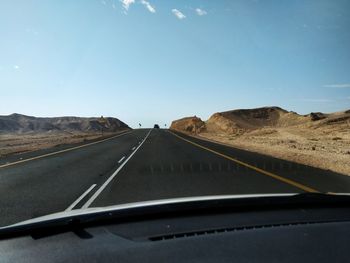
(141, 165)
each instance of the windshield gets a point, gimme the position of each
(109, 102)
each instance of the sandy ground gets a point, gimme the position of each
(323, 148)
(19, 143)
(316, 139)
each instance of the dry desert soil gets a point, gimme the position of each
(316, 139)
(19, 143)
(20, 133)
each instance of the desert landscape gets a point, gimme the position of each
(316, 139)
(21, 133)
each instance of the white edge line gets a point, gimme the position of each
(96, 194)
(121, 159)
(80, 198)
(133, 148)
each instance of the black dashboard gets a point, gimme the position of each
(268, 233)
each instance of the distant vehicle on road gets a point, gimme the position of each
(156, 126)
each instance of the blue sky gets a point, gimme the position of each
(158, 60)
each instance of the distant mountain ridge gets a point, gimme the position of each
(19, 123)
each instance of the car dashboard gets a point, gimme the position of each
(282, 233)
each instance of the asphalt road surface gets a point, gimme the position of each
(142, 165)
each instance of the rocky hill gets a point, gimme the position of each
(246, 120)
(317, 139)
(18, 123)
(188, 124)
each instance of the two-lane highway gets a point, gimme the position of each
(176, 165)
(147, 164)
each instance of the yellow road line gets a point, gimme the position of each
(275, 176)
(61, 151)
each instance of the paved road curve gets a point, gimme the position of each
(146, 165)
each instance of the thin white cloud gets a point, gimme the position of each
(148, 6)
(32, 31)
(201, 12)
(343, 85)
(126, 3)
(178, 14)
(317, 100)
(16, 67)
